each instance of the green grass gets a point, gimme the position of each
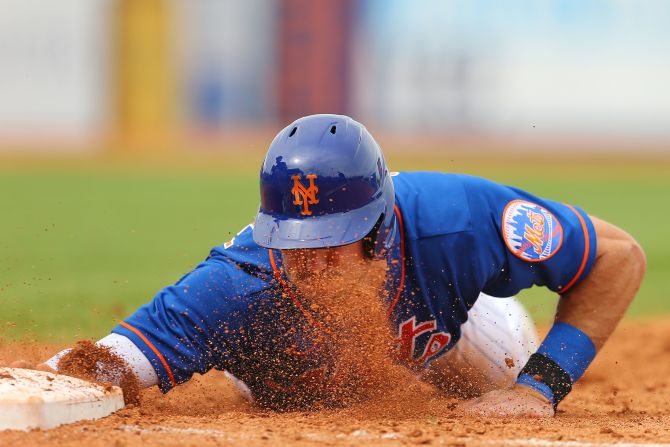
(82, 247)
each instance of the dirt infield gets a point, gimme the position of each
(624, 399)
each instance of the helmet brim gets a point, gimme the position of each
(329, 230)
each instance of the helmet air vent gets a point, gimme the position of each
(293, 131)
(333, 129)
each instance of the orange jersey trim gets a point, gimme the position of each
(587, 248)
(153, 348)
(401, 226)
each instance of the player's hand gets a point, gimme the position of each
(23, 364)
(517, 401)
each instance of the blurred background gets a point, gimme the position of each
(131, 131)
(79, 71)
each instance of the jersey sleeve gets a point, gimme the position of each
(527, 240)
(195, 324)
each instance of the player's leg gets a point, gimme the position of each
(495, 343)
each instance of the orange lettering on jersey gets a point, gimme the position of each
(436, 344)
(409, 331)
(304, 196)
(535, 234)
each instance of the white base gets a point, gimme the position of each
(36, 399)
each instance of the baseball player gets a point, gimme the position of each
(275, 306)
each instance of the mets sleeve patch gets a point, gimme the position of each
(531, 232)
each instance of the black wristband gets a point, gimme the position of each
(545, 370)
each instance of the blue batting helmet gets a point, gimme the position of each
(324, 183)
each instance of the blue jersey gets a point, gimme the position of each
(457, 236)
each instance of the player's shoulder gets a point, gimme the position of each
(243, 265)
(433, 203)
(438, 203)
(454, 189)
(433, 182)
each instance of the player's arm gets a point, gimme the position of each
(586, 317)
(178, 333)
(597, 304)
(192, 326)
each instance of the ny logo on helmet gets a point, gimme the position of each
(304, 196)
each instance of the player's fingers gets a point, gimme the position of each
(503, 403)
(485, 399)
